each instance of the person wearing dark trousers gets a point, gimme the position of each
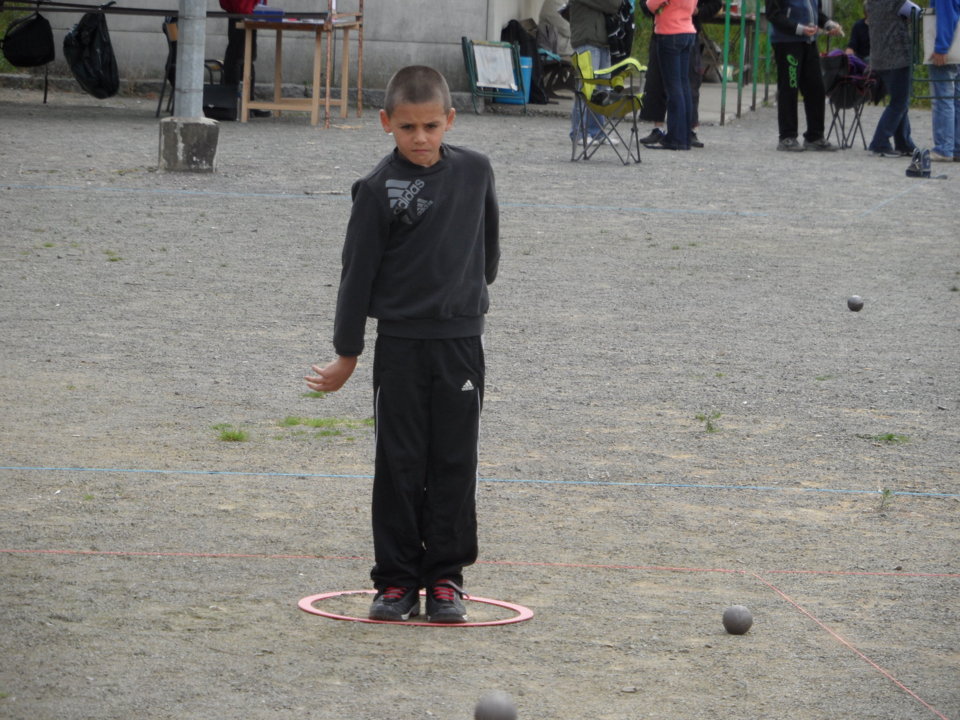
(794, 27)
(890, 58)
(673, 23)
(233, 55)
(654, 96)
(421, 247)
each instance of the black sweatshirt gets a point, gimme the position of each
(421, 247)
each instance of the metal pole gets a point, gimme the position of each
(190, 53)
(726, 62)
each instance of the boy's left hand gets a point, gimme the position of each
(332, 377)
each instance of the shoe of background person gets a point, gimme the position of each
(444, 604)
(396, 604)
(790, 145)
(937, 157)
(655, 136)
(260, 113)
(601, 138)
(695, 141)
(821, 145)
(885, 153)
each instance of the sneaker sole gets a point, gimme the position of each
(386, 615)
(447, 619)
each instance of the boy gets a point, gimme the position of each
(421, 247)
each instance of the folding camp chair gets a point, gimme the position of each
(607, 102)
(849, 84)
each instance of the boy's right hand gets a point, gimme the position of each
(332, 377)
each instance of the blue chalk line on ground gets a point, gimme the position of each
(528, 481)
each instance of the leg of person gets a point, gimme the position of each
(401, 381)
(786, 56)
(654, 97)
(902, 138)
(897, 83)
(580, 116)
(450, 510)
(943, 80)
(674, 60)
(956, 113)
(696, 80)
(233, 55)
(686, 92)
(814, 99)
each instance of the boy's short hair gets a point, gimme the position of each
(416, 84)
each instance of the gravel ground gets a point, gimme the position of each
(682, 415)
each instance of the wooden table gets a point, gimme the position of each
(321, 29)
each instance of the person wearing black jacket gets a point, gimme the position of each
(421, 247)
(655, 96)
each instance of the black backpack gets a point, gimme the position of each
(90, 55)
(29, 42)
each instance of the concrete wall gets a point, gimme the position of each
(396, 33)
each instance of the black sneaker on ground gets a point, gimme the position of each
(695, 141)
(821, 144)
(396, 604)
(790, 144)
(655, 136)
(444, 604)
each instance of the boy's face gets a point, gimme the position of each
(418, 130)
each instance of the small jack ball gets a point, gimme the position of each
(737, 619)
(496, 705)
(855, 303)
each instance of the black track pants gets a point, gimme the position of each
(427, 400)
(798, 73)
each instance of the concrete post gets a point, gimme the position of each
(191, 50)
(188, 141)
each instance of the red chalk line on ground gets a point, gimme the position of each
(308, 604)
(847, 644)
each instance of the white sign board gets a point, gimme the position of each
(494, 66)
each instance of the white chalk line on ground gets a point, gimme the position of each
(528, 481)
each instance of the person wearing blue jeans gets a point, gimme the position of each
(895, 120)
(945, 84)
(599, 58)
(890, 58)
(674, 55)
(676, 36)
(588, 33)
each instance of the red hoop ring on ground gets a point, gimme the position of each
(522, 613)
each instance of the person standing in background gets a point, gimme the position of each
(673, 24)
(890, 59)
(945, 84)
(588, 33)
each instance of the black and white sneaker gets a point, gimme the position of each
(444, 604)
(396, 604)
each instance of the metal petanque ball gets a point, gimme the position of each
(496, 705)
(855, 303)
(737, 619)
